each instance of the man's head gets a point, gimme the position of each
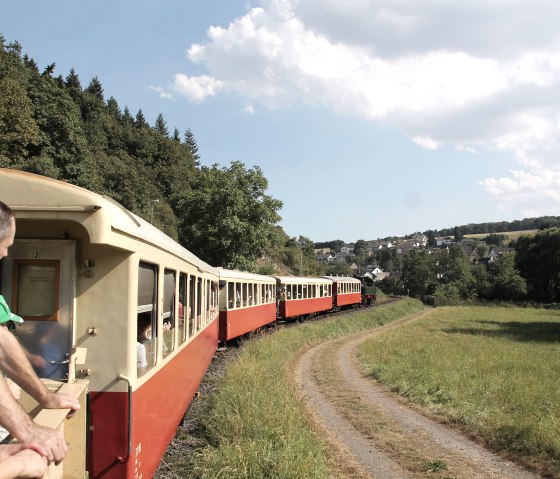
(7, 229)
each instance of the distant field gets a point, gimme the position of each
(494, 371)
(509, 235)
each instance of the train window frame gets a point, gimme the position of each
(191, 309)
(18, 289)
(199, 299)
(149, 347)
(168, 337)
(182, 328)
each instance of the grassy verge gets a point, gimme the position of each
(494, 371)
(256, 425)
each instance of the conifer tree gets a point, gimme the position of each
(140, 121)
(190, 142)
(160, 126)
(95, 88)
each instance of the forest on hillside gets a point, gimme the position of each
(55, 126)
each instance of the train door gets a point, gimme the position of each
(38, 282)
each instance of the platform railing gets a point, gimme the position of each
(74, 428)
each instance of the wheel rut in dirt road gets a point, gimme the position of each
(374, 433)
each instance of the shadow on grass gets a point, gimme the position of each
(516, 330)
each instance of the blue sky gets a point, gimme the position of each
(369, 118)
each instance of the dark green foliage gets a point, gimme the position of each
(494, 239)
(538, 260)
(227, 216)
(418, 273)
(190, 142)
(334, 245)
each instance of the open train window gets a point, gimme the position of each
(209, 300)
(199, 304)
(191, 305)
(168, 311)
(146, 331)
(231, 295)
(36, 289)
(182, 329)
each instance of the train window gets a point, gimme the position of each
(313, 291)
(199, 304)
(182, 295)
(237, 295)
(191, 310)
(215, 297)
(208, 311)
(168, 311)
(244, 294)
(146, 330)
(304, 291)
(36, 289)
(231, 295)
(250, 294)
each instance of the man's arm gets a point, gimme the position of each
(47, 442)
(17, 367)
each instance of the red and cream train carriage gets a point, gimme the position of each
(82, 272)
(299, 296)
(247, 302)
(346, 291)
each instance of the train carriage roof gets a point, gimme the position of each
(342, 279)
(301, 280)
(231, 275)
(106, 221)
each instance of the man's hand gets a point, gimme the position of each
(48, 443)
(61, 401)
(17, 461)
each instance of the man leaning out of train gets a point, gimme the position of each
(14, 363)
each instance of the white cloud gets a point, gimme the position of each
(475, 75)
(162, 92)
(196, 89)
(426, 142)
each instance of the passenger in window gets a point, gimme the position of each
(144, 334)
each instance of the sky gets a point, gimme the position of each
(369, 118)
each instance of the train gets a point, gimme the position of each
(145, 315)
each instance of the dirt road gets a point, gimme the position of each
(374, 434)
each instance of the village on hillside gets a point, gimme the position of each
(381, 258)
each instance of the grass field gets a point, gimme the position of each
(494, 371)
(256, 424)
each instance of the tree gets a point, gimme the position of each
(457, 234)
(95, 89)
(418, 272)
(431, 235)
(538, 261)
(140, 121)
(505, 281)
(18, 128)
(227, 217)
(161, 126)
(190, 142)
(494, 239)
(457, 270)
